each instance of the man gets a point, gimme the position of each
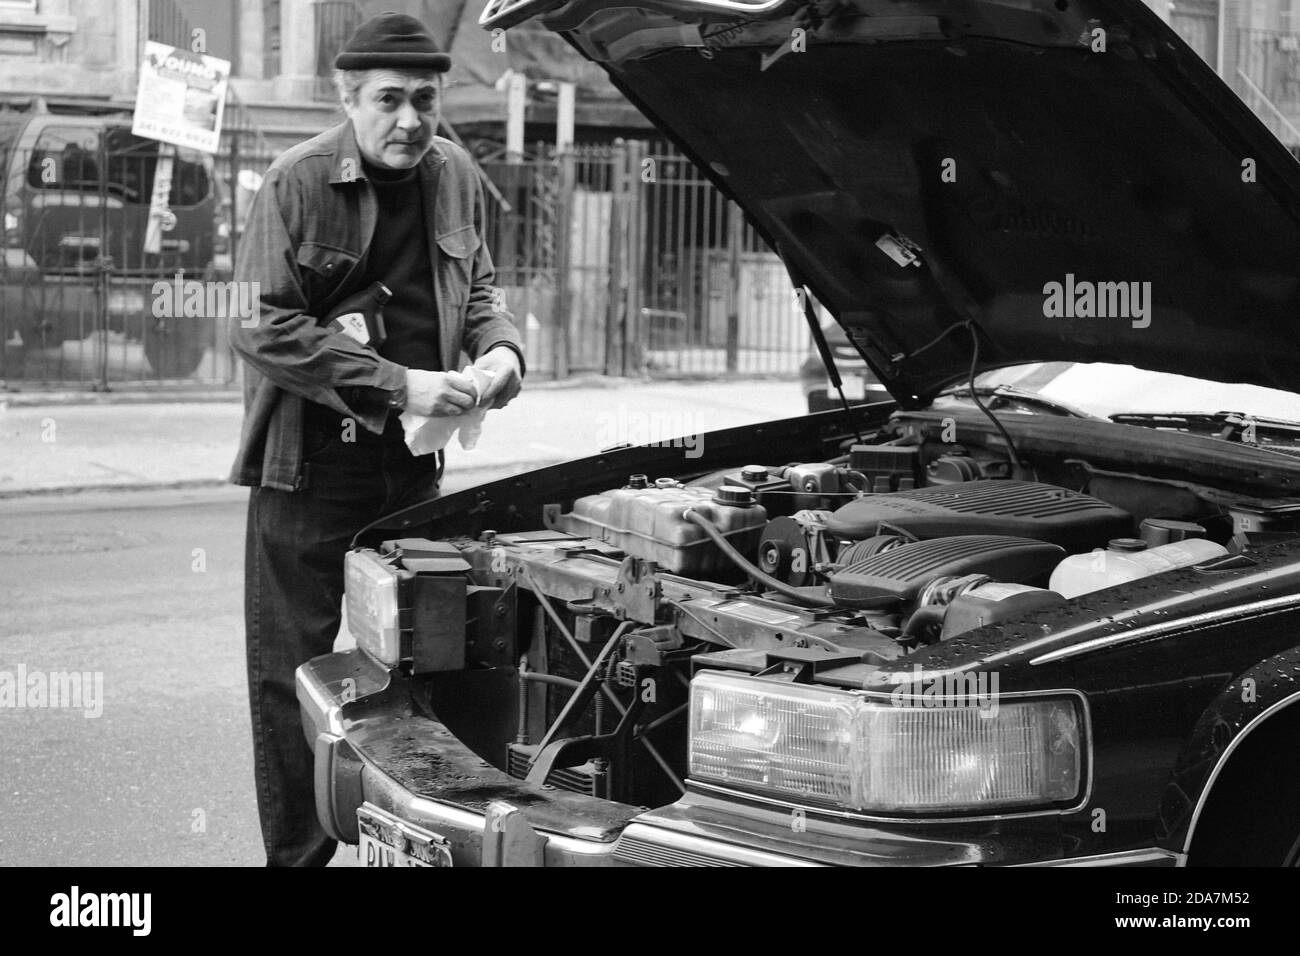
(378, 198)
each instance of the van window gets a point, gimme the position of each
(68, 157)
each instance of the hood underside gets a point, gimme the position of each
(1067, 176)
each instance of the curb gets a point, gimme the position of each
(43, 399)
(190, 484)
(36, 399)
(59, 491)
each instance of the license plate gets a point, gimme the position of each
(389, 841)
(125, 301)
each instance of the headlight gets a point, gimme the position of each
(374, 593)
(869, 754)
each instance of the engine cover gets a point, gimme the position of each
(899, 574)
(1024, 509)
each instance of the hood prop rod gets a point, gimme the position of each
(823, 348)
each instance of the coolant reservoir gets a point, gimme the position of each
(1103, 568)
(648, 522)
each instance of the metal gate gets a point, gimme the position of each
(81, 299)
(617, 259)
(86, 300)
(622, 259)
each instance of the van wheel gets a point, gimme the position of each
(172, 355)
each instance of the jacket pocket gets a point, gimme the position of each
(323, 269)
(458, 248)
(460, 243)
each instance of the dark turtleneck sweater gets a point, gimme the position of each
(399, 258)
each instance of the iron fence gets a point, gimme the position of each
(87, 298)
(618, 259)
(623, 259)
(336, 21)
(1268, 64)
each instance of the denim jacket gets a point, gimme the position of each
(305, 244)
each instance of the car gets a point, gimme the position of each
(858, 382)
(1041, 609)
(58, 161)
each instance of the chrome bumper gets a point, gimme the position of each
(343, 699)
(355, 713)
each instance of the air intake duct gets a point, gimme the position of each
(900, 573)
(1023, 509)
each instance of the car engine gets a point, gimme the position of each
(600, 619)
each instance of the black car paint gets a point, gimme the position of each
(851, 142)
(1161, 662)
(1163, 706)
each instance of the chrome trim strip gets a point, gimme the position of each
(706, 848)
(1223, 759)
(849, 815)
(1239, 611)
(1149, 856)
(422, 808)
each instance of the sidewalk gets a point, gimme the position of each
(59, 443)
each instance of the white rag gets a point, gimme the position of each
(430, 433)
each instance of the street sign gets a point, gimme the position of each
(179, 102)
(181, 97)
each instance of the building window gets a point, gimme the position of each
(271, 32)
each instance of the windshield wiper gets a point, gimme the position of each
(1227, 426)
(1010, 394)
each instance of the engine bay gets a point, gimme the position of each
(598, 620)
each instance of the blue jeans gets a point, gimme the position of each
(293, 591)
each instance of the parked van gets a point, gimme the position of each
(76, 196)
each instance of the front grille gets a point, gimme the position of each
(587, 779)
(642, 853)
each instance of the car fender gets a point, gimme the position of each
(1266, 692)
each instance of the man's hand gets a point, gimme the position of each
(503, 363)
(438, 393)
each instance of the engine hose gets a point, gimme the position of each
(810, 600)
(556, 679)
(920, 622)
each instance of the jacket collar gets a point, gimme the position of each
(346, 163)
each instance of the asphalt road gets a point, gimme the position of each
(145, 588)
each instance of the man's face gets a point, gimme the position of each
(395, 115)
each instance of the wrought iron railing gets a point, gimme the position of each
(167, 24)
(336, 20)
(1268, 74)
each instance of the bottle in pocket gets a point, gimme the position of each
(361, 316)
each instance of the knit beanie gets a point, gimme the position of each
(395, 41)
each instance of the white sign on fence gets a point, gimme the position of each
(181, 97)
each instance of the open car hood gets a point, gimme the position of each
(921, 164)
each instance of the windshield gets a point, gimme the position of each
(1105, 390)
(68, 157)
